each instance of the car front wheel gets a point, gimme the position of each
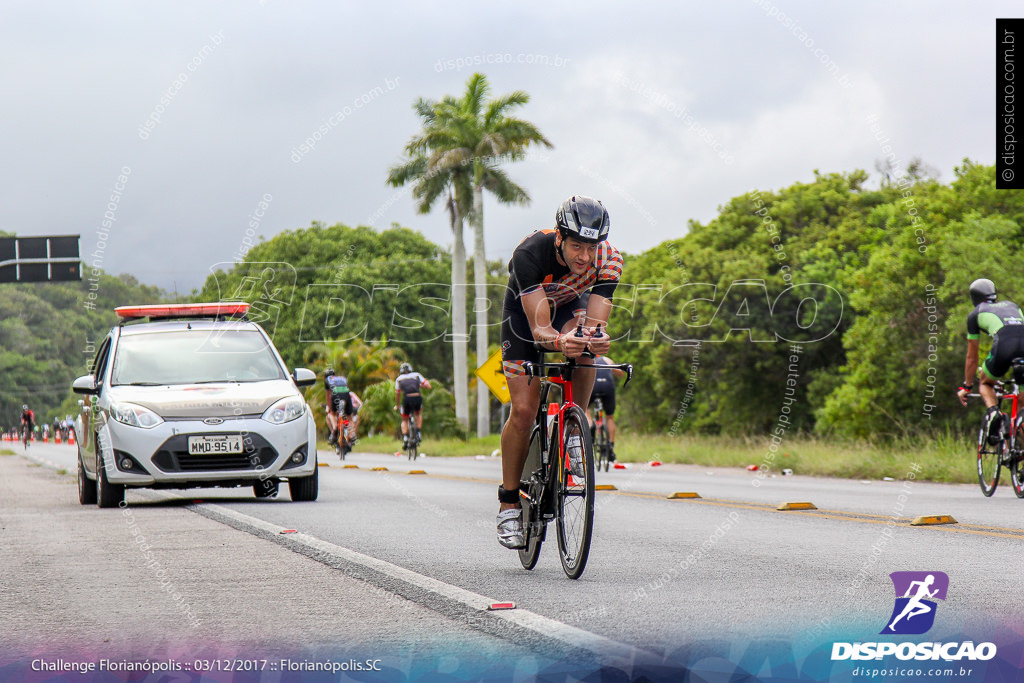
(86, 488)
(108, 495)
(306, 488)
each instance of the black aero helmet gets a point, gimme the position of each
(584, 218)
(328, 372)
(982, 290)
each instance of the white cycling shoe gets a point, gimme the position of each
(510, 529)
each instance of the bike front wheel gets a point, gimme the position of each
(574, 493)
(988, 463)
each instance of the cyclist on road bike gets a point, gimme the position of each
(604, 389)
(407, 395)
(339, 402)
(28, 421)
(1004, 322)
(555, 276)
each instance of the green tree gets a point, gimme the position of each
(479, 134)
(437, 174)
(347, 286)
(49, 333)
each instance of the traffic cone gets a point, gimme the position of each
(56, 436)
(45, 438)
(71, 437)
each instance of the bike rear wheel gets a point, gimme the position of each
(533, 484)
(414, 441)
(988, 463)
(574, 516)
(1017, 458)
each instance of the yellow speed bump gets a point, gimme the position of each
(684, 494)
(323, 464)
(928, 520)
(350, 467)
(378, 469)
(417, 471)
(605, 487)
(797, 506)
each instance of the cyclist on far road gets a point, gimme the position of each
(1004, 322)
(604, 389)
(554, 276)
(407, 395)
(28, 421)
(339, 402)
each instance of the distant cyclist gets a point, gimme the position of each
(408, 396)
(554, 276)
(28, 421)
(604, 389)
(339, 402)
(1004, 322)
(353, 423)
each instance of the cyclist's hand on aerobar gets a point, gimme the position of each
(571, 345)
(599, 346)
(961, 393)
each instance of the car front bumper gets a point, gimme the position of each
(159, 457)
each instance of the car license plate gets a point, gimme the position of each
(206, 445)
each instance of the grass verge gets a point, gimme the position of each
(947, 458)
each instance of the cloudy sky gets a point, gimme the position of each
(663, 110)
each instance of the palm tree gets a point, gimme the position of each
(478, 135)
(437, 174)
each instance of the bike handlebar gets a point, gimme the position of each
(536, 369)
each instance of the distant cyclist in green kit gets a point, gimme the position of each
(1004, 322)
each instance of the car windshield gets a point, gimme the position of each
(193, 357)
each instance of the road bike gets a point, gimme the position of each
(343, 446)
(26, 436)
(412, 444)
(550, 490)
(602, 442)
(1009, 452)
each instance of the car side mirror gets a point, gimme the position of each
(304, 377)
(85, 384)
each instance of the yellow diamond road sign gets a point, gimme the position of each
(490, 373)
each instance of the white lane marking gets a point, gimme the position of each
(43, 461)
(570, 635)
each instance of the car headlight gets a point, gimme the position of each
(285, 410)
(134, 415)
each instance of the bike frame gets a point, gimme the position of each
(564, 380)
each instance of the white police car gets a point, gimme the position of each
(192, 395)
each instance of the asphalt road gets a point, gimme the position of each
(690, 579)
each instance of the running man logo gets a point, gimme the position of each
(914, 611)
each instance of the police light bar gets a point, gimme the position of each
(232, 308)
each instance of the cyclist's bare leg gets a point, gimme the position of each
(515, 435)
(987, 389)
(610, 421)
(419, 420)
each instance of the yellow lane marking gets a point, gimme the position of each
(862, 517)
(797, 506)
(926, 520)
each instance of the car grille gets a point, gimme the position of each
(173, 456)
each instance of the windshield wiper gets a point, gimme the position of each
(140, 384)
